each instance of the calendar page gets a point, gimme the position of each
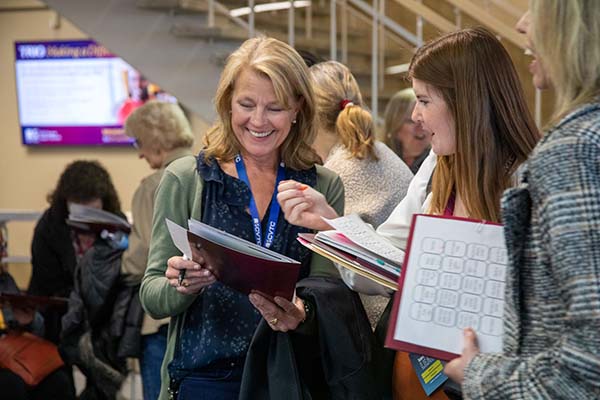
(453, 277)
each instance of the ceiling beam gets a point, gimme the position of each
(481, 15)
(428, 15)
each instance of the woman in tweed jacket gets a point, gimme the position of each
(552, 228)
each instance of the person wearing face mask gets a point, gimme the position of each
(402, 134)
(162, 135)
(470, 100)
(262, 137)
(551, 347)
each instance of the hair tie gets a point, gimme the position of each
(345, 103)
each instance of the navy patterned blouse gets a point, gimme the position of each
(220, 323)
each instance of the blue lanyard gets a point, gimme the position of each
(275, 207)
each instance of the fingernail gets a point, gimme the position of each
(197, 266)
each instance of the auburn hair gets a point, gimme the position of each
(494, 129)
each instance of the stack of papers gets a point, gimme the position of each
(355, 245)
(96, 220)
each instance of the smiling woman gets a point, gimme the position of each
(262, 138)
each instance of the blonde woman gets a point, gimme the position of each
(374, 177)
(265, 126)
(552, 224)
(162, 135)
(403, 135)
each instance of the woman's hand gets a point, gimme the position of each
(455, 369)
(304, 206)
(282, 315)
(196, 275)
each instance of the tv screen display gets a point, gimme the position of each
(76, 93)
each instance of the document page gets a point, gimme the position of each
(453, 278)
(362, 234)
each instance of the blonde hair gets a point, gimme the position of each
(494, 130)
(160, 125)
(333, 84)
(397, 111)
(284, 67)
(566, 36)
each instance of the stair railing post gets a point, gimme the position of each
(291, 22)
(308, 21)
(211, 13)
(457, 18)
(381, 44)
(419, 29)
(374, 59)
(344, 31)
(251, 19)
(332, 31)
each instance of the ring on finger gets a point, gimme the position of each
(273, 321)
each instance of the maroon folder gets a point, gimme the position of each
(246, 273)
(28, 301)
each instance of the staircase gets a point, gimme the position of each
(182, 44)
(171, 42)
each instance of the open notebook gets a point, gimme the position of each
(235, 262)
(453, 277)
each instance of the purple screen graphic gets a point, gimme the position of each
(76, 93)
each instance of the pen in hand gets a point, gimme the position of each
(181, 276)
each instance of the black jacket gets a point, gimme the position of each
(53, 264)
(102, 326)
(336, 361)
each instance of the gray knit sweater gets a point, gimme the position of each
(373, 188)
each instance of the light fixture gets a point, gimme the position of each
(397, 69)
(281, 5)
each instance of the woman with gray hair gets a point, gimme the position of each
(162, 134)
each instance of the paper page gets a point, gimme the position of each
(454, 279)
(179, 236)
(362, 234)
(81, 213)
(235, 243)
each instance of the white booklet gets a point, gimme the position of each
(453, 277)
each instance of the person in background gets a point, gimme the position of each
(374, 178)
(57, 385)
(265, 127)
(551, 346)
(56, 249)
(162, 135)
(403, 135)
(470, 100)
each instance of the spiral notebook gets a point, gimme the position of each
(453, 277)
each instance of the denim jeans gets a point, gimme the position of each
(213, 383)
(153, 352)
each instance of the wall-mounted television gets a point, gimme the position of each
(76, 93)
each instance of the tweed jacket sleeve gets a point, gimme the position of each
(552, 314)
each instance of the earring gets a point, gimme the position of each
(294, 122)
